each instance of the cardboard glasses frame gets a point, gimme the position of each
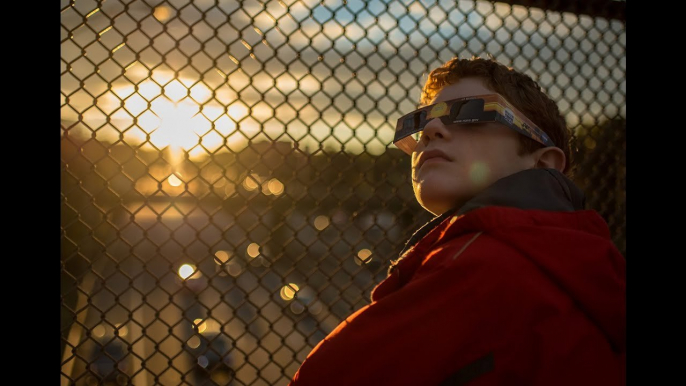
(474, 109)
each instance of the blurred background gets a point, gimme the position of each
(229, 190)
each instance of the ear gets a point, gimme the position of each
(550, 158)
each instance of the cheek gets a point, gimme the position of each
(496, 168)
(500, 150)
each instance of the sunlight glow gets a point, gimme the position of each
(185, 115)
(173, 114)
(176, 121)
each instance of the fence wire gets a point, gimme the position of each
(229, 188)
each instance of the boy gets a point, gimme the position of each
(513, 282)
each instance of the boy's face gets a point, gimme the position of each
(466, 158)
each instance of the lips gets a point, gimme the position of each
(431, 154)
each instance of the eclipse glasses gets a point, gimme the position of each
(474, 109)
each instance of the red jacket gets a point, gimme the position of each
(496, 296)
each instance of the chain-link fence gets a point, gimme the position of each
(229, 188)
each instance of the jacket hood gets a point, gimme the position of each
(543, 189)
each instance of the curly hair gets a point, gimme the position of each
(518, 88)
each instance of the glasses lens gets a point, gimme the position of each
(409, 127)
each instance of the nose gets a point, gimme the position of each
(433, 130)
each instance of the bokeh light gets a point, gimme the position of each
(186, 271)
(193, 342)
(234, 270)
(221, 257)
(251, 182)
(253, 250)
(321, 222)
(200, 325)
(174, 180)
(275, 186)
(121, 330)
(267, 187)
(363, 256)
(297, 308)
(161, 13)
(315, 307)
(99, 331)
(288, 291)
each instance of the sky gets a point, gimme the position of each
(320, 73)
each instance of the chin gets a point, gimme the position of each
(437, 199)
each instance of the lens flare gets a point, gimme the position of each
(479, 173)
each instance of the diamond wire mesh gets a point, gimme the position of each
(229, 193)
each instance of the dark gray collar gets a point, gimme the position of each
(543, 189)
